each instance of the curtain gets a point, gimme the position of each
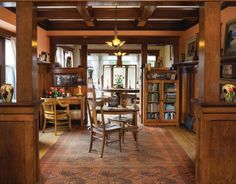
(10, 63)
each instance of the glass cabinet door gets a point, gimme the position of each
(153, 101)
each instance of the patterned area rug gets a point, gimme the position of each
(160, 160)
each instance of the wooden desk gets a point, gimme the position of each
(71, 101)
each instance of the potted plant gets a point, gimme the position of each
(119, 81)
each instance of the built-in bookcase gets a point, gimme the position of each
(161, 94)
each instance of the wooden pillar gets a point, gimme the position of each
(144, 54)
(2, 60)
(83, 59)
(26, 52)
(52, 51)
(209, 52)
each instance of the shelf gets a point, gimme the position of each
(228, 60)
(153, 101)
(169, 111)
(153, 91)
(165, 101)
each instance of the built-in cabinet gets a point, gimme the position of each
(161, 97)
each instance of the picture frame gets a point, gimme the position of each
(230, 39)
(191, 48)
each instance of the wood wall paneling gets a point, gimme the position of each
(216, 160)
(19, 161)
(44, 79)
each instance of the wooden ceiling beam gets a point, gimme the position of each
(108, 13)
(118, 3)
(57, 13)
(147, 12)
(102, 39)
(175, 13)
(83, 11)
(127, 25)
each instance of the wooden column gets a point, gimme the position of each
(26, 52)
(144, 54)
(52, 53)
(83, 59)
(209, 52)
(216, 121)
(2, 60)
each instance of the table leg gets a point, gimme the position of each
(136, 128)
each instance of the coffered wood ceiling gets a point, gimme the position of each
(126, 15)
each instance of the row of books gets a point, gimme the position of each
(153, 107)
(151, 115)
(169, 107)
(169, 115)
(171, 87)
(153, 97)
(153, 87)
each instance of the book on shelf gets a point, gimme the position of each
(153, 97)
(171, 87)
(169, 115)
(151, 115)
(153, 87)
(169, 107)
(152, 107)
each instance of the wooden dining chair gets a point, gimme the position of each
(127, 100)
(54, 116)
(99, 129)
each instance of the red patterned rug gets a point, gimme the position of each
(160, 160)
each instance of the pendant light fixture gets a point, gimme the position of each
(116, 42)
(119, 53)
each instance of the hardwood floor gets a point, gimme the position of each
(185, 139)
(47, 139)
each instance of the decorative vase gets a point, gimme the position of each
(229, 92)
(7, 92)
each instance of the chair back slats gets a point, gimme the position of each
(93, 107)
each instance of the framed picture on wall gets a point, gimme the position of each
(191, 48)
(230, 39)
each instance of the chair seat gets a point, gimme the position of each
(121, 119)
(109, 127)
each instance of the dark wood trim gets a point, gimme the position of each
(158, 40)
(6, 33)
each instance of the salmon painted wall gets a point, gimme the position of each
(42, 40)
(8, 22)
(227, 15)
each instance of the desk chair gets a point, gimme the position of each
(54, 116)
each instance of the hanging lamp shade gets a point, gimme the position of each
(120, 53)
